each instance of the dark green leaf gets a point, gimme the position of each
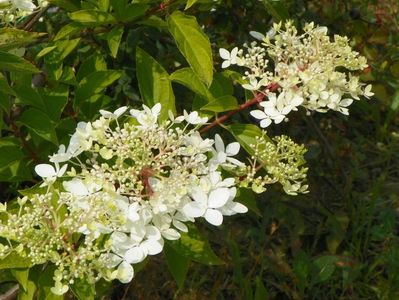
(10, 151)
(277, 9)
(221, 104)
(193, 245)
(4, 87)
(177, 265)
(131, 12)
(69, 5)
(40, 123)
(193, 44)
(189, 79)
(14, 63)
(154, 83)
(83, 290)
(325, 267)
(260, 292)
(247, 198)
(95, 83)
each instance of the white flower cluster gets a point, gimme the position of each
(307, 67)
(10, 10)
(118, 190)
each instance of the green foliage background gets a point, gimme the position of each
(338, 242)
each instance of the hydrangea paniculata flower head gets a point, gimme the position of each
(308, 68)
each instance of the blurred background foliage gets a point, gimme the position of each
(340, 241)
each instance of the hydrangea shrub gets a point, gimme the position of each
(129, 179)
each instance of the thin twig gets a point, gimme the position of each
(255, 100)
(11, 294)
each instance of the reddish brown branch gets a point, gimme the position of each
(255, 100)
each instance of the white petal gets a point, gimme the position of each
(111, 260)
(194, 209)
(235, 162)
(258, 114)
(171, 234)
(62, 170)
(225, 54)
(221, 157)
(219, 145)
(153, 247)
(180, 225)
(156, 109)
(214, 217)
(218, 198)
(134, 255)
(232, 149)
(76, 187)
(265, 122)
(106, 113)
(152, 232)
(125, 272)
(120, 111)
(239, 208)
(135, 112)
(257, 35)
(278, 119)
(345, 102)
(225, 64)
(199, 196)
(45, 170)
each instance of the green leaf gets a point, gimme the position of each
(10, 151)
(14, 63)
(40, 123)
(92, 17)
(45, 50)
(69, 5)
(11, 38)
(67, 30)
(154, 83)
(277, 9)
(83, 290)
(190, 3)
(55, 100)
(247, 198)
(114, 38)
(29, 293)
(103, 5)
(189, 79)
(177, 265)
(14, 261)
(17, 171)
(193, 44)
(193, 245)
(221, 104)
(260, 292)
(4, 87)
(94, 62)
(95, 83)
(246, 135)
(154, 21)
(130, 12)
(21, 275)
(325, 267)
